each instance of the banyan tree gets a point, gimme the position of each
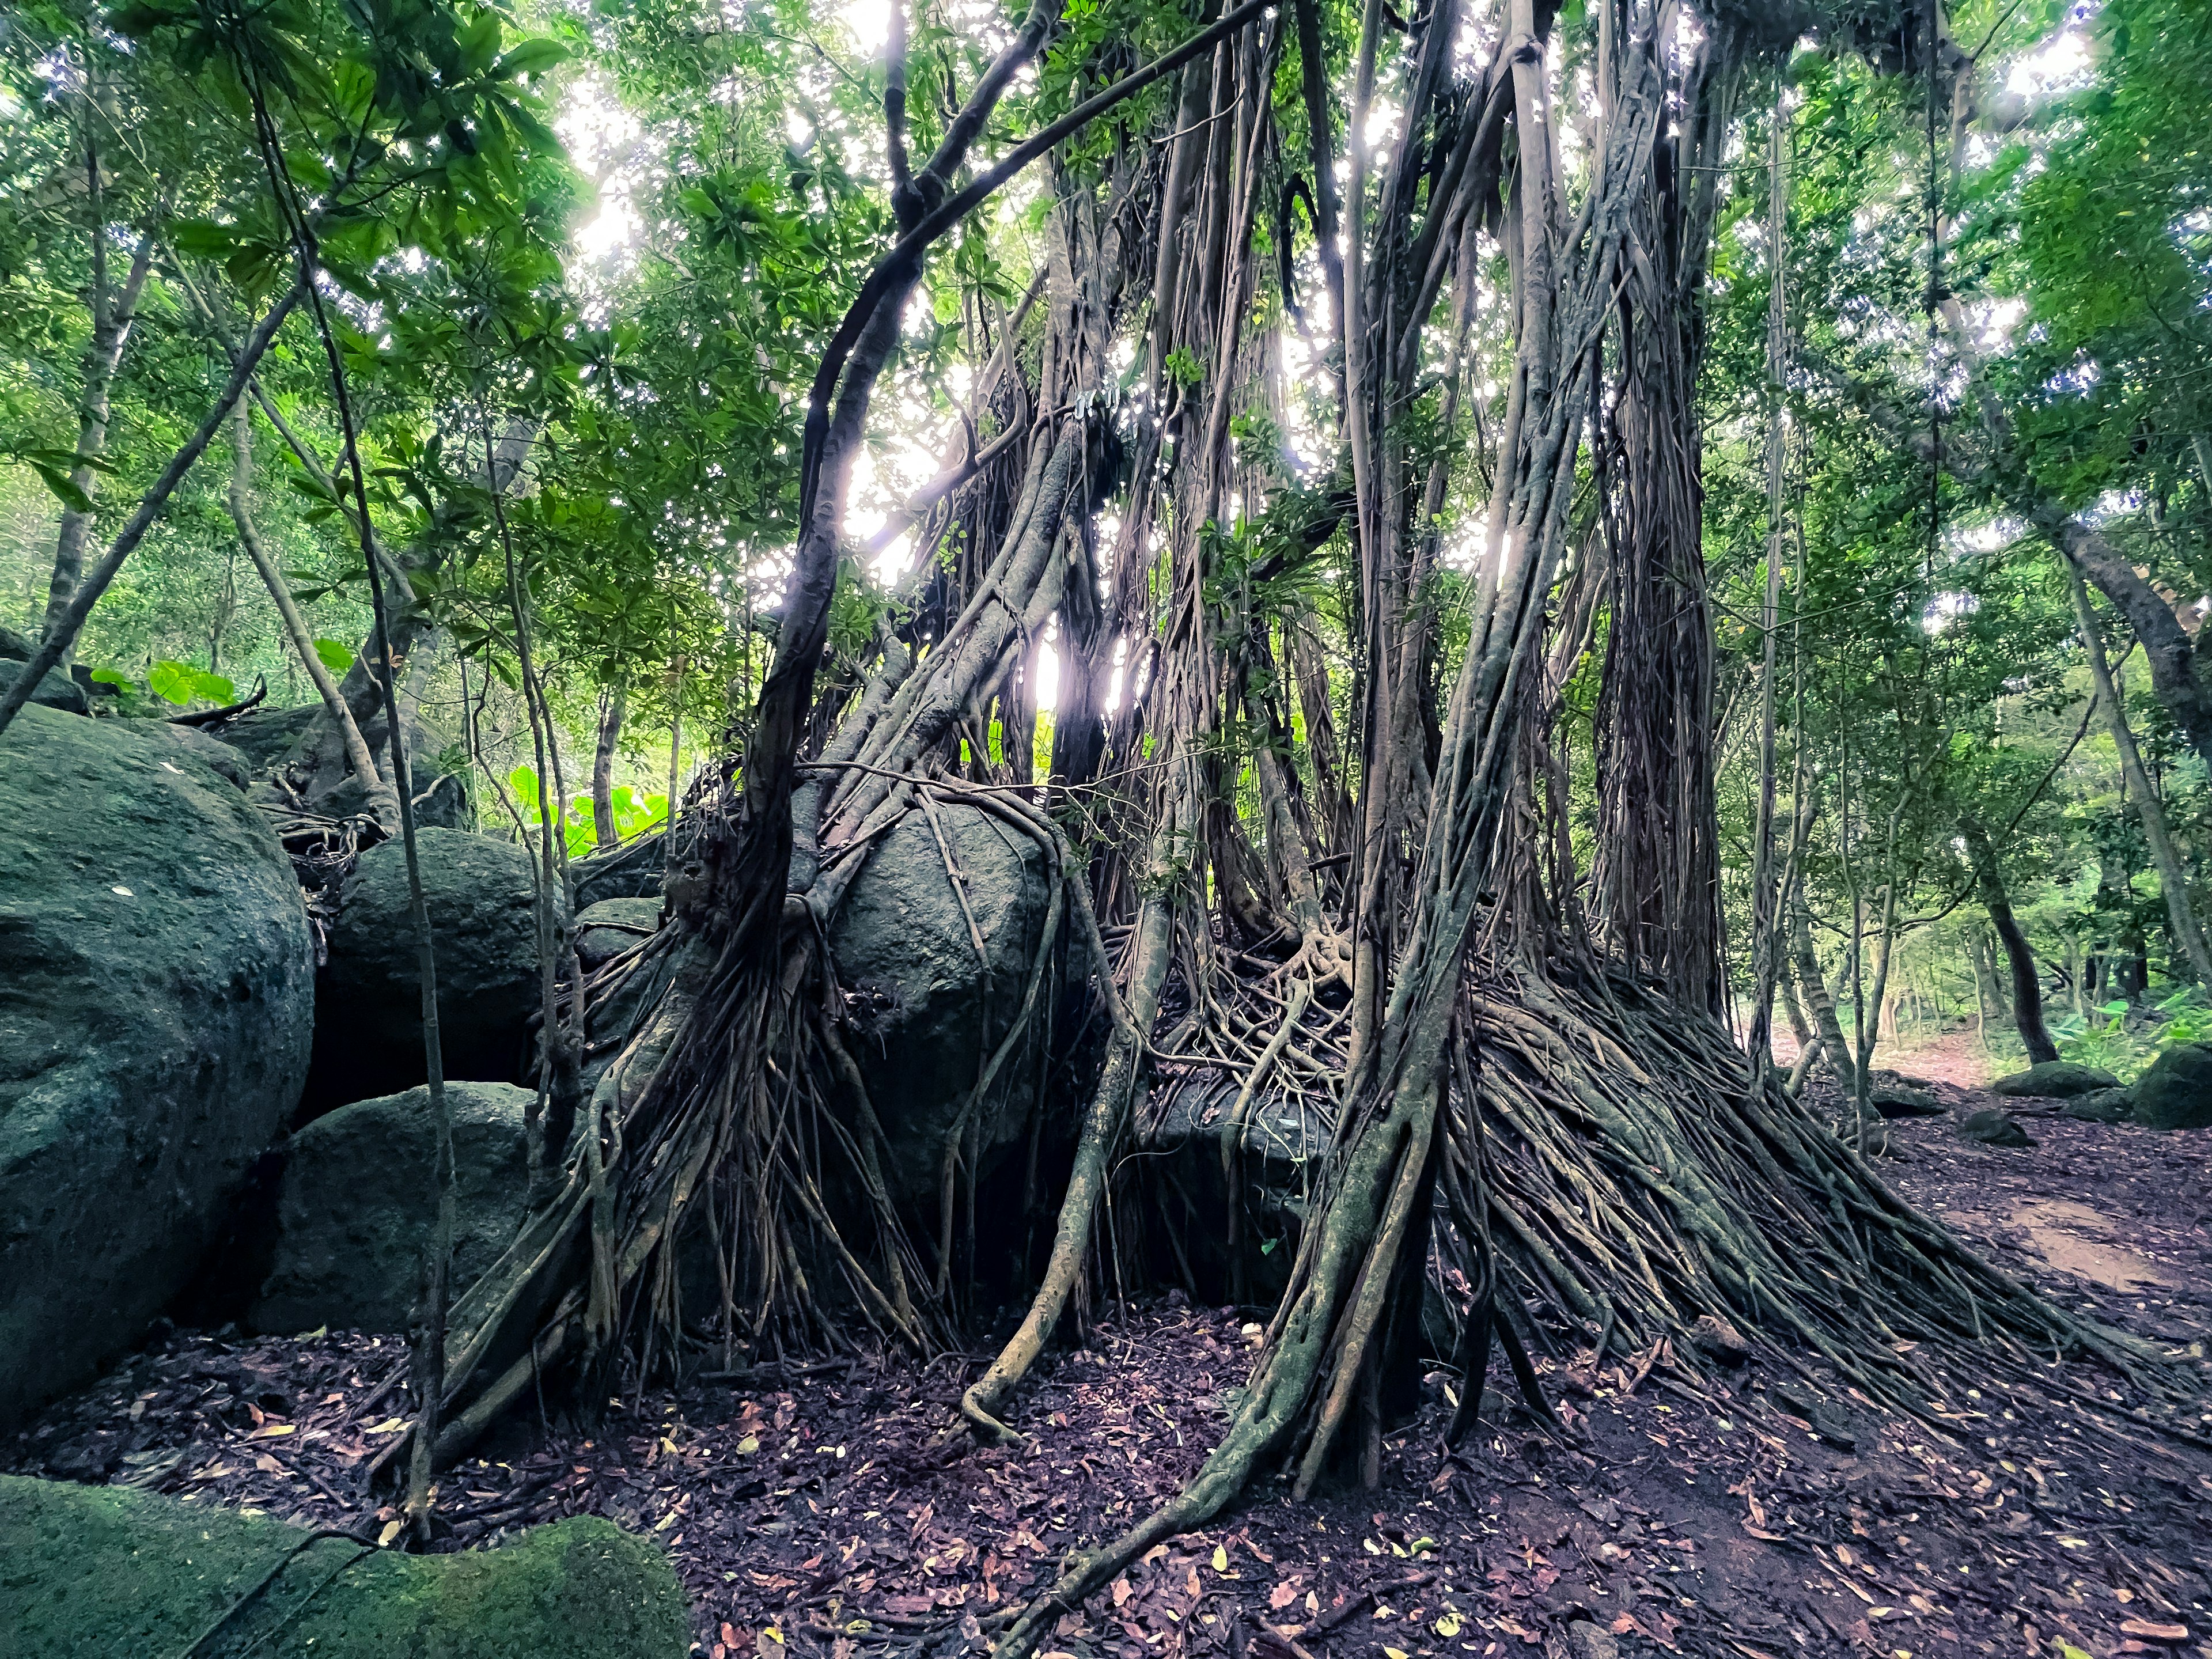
(1333, 441)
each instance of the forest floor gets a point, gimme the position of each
(837, 1516)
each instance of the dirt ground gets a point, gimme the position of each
(832, 1514)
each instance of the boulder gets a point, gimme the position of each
(479, 895)
(630, 871)
(56, 690)
(1993, 1128)
(217, 757)
(265, 735)
(271, 739)
(2060, 1079)
(2101, 1106)
(358, 1195)
(1283, 1145)
(925, 1012)
(2175, 1092)
(157, 998)
(1897, 1100)
(613, 925)
(114, 1569)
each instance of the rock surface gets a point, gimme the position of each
(270, 739)
(631, 871)
(2101, 1106)
(2175, 1092)
(927, 1012)
(1897, 1100)
(156, 1014)
(612, 926)
(369, 1041)
(358, 1196)
(56, 690)
(2060, 1079)
(217, 757)
(1993, 1128)
(111, 1570)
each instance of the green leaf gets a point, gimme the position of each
(479, 43)
(532, 58)
(64, 486)
(174, 682)
(114, 676)
(213, 688)
(336, 655)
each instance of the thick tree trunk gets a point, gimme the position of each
(2027, 987)
(2166, 643)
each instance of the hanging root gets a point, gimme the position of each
(1101, 1129)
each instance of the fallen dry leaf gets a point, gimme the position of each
(2151, 1632)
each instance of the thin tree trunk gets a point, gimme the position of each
(2026, 986)
(112, 314)
(61, 637)
(612, 709)
(2171, 876)
(1827, 1022)
(384, 803)
(1766, 940)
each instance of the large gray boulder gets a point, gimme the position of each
(109, 1569)
(2175, 1092)
(369, 1041)
(925, 1012)
(358, 1198)
(2060, 1079)
(156, 1005)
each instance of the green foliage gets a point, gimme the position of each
(182, 683)
(634, 813)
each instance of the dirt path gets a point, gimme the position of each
(830, 1515)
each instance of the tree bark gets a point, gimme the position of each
(603, 832)
(2171, 877)
(112, 314)
(384, 803)
(2027, 987)
(1827, 1022)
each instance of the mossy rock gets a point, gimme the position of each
(613, 925)
(922, 1005)
(2175, 1092)
(1898, 1100)
(1995, 1128)
(56, 690)
(357, 1198)
(157, 998)
(483, 913)
(2102, 1106)
(2055, 1079)
(111, 1570)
